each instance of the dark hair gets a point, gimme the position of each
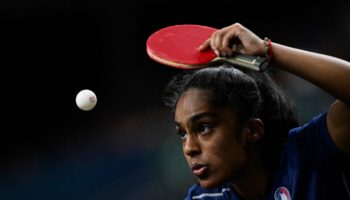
(249, 94)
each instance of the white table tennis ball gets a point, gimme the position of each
(86, 100)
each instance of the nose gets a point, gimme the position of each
(191, 146)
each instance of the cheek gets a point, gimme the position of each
(230, 157)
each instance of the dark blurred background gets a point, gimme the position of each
(125, 148)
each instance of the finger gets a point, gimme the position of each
(212, 44)
(229, 39)
(205, 45)
(226, 52)
(216, 43)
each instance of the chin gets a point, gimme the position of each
(207, 184)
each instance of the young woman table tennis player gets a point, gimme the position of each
(240, 135)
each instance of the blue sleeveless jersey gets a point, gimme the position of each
(311, 168)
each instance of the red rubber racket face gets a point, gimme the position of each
(177, 46)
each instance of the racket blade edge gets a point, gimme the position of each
(172, 64)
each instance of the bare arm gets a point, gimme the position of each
(329, 73)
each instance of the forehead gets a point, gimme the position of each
(193, 101)
(193, 97)
(197, 102)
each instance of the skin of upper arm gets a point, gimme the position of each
(338, 123)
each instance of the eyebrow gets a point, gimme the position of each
(198, 116)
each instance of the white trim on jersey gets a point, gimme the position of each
(212, 194)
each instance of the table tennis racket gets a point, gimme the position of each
(177, 46)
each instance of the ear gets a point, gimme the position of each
(254, 130)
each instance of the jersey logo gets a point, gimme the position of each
(282, 193)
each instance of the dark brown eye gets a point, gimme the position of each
(203, 129)
(182, 133)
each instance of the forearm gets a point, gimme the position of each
(329, 73)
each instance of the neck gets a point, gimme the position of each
(253, 182)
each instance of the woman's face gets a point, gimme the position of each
(212, 141)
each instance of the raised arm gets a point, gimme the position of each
(327, 72)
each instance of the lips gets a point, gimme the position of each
(200, 170)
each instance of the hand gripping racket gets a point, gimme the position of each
(177, 46)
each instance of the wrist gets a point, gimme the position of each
(268, 48)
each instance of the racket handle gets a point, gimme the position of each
(256, 63)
